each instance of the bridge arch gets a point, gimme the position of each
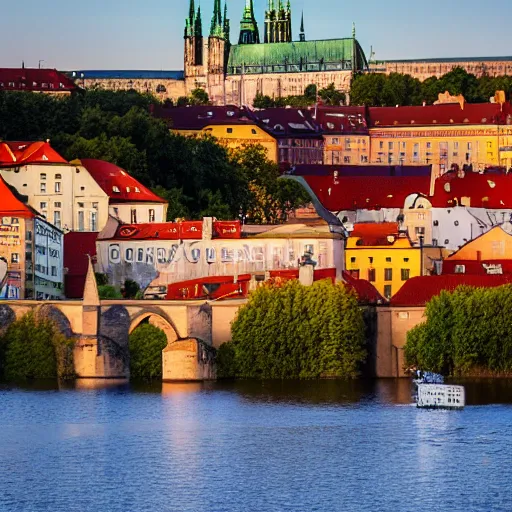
(156, 319)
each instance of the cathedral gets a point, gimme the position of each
(270, 63)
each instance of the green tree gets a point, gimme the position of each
(366, 90)
(108, 292)
(261, 101)
(33, 347)
(331, 96)
(459, 81)
(199, 97)
(294, 331)
(146, 344)
(310, 92)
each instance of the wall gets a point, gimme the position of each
(346, 149)
(393, 324)
(163, 89)
(242, 89)
(123, 212)
(168, 261)
(223, 315)
(78, 193)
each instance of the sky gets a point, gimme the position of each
(128, 34)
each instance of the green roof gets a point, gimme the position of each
(330, 54)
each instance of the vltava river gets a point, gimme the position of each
(298, 447)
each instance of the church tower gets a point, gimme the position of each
(249, 33)
(218, 44)
(278, 22)
(302, 35)
(194, 44)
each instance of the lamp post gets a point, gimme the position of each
(421, 254)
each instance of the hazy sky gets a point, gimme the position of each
(124, 34)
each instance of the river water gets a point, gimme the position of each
(273, 446)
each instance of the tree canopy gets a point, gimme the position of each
(296, 331)
(198, 175)
(380, 90)
(465, 332)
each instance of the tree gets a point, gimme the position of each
(294, 331)
(367, 90)
(459, 81)
(331, 96)
(108, 292)
(146, 344)
(199, 97)
(261, 101)
(310, 92)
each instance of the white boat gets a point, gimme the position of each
(440, 396)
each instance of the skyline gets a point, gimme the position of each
(150, 36)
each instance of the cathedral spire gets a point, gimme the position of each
(302, 35)
(227, 27)
(249, 33)
(198, 24)
(190, 21)
(216, 29)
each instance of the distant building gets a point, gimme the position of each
(48, 81)
(32, 249)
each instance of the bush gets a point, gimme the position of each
(109, 292)
(131, 289)
(294, 331)
(146, 345)
(466, 331)
(34, 348)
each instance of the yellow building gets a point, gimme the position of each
(232, 126)
(382, 255)
(476, 135)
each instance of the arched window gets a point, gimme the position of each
(161, 88)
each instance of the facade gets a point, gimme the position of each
(31, 248)
(473, 136)
(63, 193)
(162, 254)
(48, 81)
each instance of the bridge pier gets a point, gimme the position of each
(188, 360)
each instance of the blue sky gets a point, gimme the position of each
(128, 34)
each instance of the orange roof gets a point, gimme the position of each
(10, 205)
(24, 153)
(118, 184)
(372, 233)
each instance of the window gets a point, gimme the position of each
(387, 291)
(42, 176)
(151, 215)
(420, 231)
(43, 205)
(429, 145)
(335, 141)
(371, 275)
(253, 131)
(58, 205)
(229, 130)
(390, 146)
(128, 189)
(352, 260)
(133, 215)
(95, 206)
(388, 274)
(354, 273)
(54, 271)
(43, 188)
(15, 220)
(370, 259)
(381, 145)
(115, 188)
(460, 269)
(388, 260)
(58, 176)
(405, 274)
(94, 221)
(56, 219)
(406, 260)
(364, 159)
(29, 236)
(421, 216)
(346, 159)
(436, 223)
(81, 223)
(57, 187)
(81, 205)
(15, 257)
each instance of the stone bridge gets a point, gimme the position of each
(102, 328)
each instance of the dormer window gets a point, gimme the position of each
(128, 189)
(115, 188)
(230, 113)
(137, 189)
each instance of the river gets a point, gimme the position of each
(250, 446)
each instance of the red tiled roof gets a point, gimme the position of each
(199, 116)
(361, 170)
(417, 291)
(10, 205)
(118, 184)
(366, 192)
(342, 120)
(187, 230)
(24, 153)
(446, 114)
(475, 267)
(488, 190)
(77, 246)
(373, 233)
(365, 290)
(29, 79)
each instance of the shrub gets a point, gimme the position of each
(146, 345)
(109, 292)
(294, 331)
(34, 348)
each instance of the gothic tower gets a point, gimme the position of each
(217, 54)
(278, 22)
(249, 33)
(194, 44)
(302, 35)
